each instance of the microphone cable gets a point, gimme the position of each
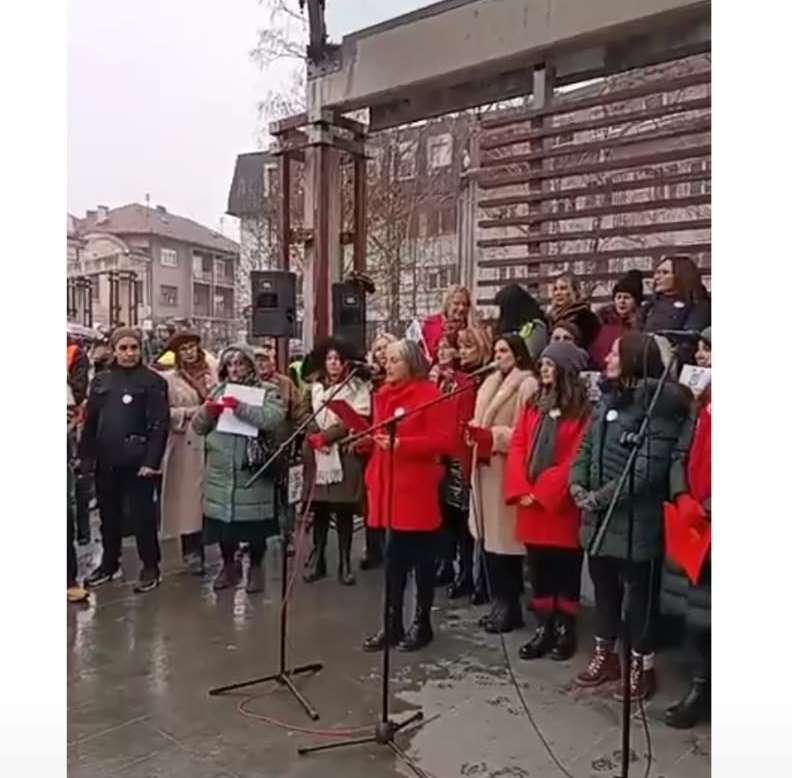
(478, 520)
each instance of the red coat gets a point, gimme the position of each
(422, 440)
(553, 519)
(699, 466)
(432, 330)
(462, 407)
(613, 327)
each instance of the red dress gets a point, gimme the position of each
(553, 519)
(422, 439)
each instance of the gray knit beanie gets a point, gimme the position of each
(567, 356)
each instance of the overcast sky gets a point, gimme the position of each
(162, 97)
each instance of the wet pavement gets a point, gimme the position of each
(140, 666)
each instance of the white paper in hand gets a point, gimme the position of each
(232, 424)
(695, 378)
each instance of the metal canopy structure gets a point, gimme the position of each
(459, 54)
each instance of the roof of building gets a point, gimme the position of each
(246, 195)
(136, 219)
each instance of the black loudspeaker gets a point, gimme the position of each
(274, 302)
(349, 315)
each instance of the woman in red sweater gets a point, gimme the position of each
(543, 447)
(403, 489)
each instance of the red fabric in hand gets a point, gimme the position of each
(316, 441)
(482, 437)
(230, 402)
(688, 535)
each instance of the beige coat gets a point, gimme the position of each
(183, 465)
(499, 403)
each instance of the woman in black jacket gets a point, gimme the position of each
(123, 440)
(632, 370)
(680, 301)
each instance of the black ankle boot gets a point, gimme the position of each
(318, 568)
(565, 633)
(479, 596)
(420, 633)
(494, 613)
(541, 641)
(376, 642)
(507, 618)
(373, 556)
(692, 708)
(345, 575)
(462, 587)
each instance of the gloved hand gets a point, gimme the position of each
(214, 409)
(316, 442)
(583, 498)
(230, 402)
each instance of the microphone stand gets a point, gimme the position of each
(627, 478)
(283, 676)
(386, 729)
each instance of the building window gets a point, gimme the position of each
(197, 264)
(139, 293)
(441, 278)
(270, 171)
(95, 289)
(169, 296)
(439, 150)
(448, 220)
(404, 162)
(169, 258)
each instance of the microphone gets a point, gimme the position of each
(362, 369)
(485, 369)
(679, 335)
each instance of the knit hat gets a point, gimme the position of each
(125, 332)
(631, 283)
(706, 335)
(567, 356)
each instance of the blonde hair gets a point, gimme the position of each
(452, 292)
(481, 339)
(383, 337)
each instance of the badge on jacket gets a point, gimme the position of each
(126, 399)
(612, 415)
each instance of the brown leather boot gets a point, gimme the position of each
(603, 666)
(643, 682)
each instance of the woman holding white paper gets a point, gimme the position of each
(234, 511)
(333, 477)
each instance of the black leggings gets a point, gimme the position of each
(411, 551)
(609, 576)
(555, 579)
(257, 550)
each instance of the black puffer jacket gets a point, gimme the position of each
(603, 456)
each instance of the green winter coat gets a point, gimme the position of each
(226, 497)
(679, 597)
(602, 458)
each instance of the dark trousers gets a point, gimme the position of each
(504, 575)
(698, 650)
(609, 576)
(192, 543)
(121, 488)
(344, 514)
(456, 538)
(405, 552)
(71, 554)
(83, 488)
(228, 550)
(555, 579)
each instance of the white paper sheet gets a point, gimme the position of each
(233, 425)
(695, 378)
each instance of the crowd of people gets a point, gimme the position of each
(499, 458)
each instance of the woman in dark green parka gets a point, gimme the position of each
(633, 368)
(236, 513)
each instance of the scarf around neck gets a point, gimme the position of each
(543, 448)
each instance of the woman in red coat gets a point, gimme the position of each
(543, 447)
(408, 506)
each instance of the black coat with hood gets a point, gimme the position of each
(603, 456)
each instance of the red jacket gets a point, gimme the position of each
(462, 407)
(699, 466)
(613, 327)
(553, 519)
(432, 330)
(421, 440)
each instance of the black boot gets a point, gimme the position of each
(542, 640)
(494, 613)
(345, 527)
(376, 642)
(373, 557)
(318, 567)
(565, 638)
(509, 617)
(692, 708)
(445, 573)
(420, 633)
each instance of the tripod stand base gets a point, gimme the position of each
(284, 679)
(384, 733)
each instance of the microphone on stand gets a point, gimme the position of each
(362, 369)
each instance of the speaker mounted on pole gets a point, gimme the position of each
(349, 314)
(274, 303)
